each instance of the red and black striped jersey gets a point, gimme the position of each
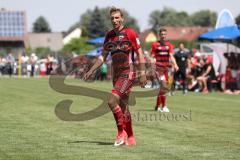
(121, 45)
(161, 52)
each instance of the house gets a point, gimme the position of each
(175, 33)
(14, 34)
(13, 30)
(75, 33)
(46, 40)
(185, 33)
(147, 36)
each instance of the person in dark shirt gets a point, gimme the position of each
(208, 74)
(182, 59)
(232, 70)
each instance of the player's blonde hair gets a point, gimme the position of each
(115, 9)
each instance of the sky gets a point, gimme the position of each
(61, 14)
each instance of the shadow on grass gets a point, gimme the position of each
(95, 142)
(147, 110)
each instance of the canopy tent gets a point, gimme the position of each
(99, 40)
(226, 31)
(222, 34)
(217, 50)
(96, 52)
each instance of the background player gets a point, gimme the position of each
(162, 52)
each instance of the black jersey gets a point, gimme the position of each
(181, 57)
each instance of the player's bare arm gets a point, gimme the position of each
(98, 63)
(207, 71)
(175, 66)
(143, 79)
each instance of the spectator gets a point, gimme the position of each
(208, 74)
(103, 71)
(24, 63)
(49, 64)
(43, 69)
(195, 71)
(10, 63)
(2, 65)
(231, 75)
(33, 61)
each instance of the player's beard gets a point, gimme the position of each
(118, 26)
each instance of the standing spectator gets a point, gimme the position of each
(24, 63)
(49, 64)
(103, 70)
(2, 65)
(10, 60)
(33, 61)
(42, 68)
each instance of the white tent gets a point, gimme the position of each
(217, 50)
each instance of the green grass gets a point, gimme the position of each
(30, 130)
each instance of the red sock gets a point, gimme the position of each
(158, 100)
(128, 124)
(163, 99)
(118, 115)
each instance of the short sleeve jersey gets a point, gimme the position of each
(161, 52)
(121, 46)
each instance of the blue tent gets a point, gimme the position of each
(99, 40)
(222, 34)
(96, 52)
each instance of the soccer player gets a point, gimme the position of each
(162, 52)
(121, 42)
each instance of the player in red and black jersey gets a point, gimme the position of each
(162, 53)
(121, 42)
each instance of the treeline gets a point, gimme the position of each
(94, 23)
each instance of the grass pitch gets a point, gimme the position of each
(200, 126)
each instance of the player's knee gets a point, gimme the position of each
(112, 103)
(164, 89)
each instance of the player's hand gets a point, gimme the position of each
(153, 60)
(87, 75)
(176, 68)
(143, 80)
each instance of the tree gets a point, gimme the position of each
(204, 18)
(41, 25)
(131, 21)
(78, 45)
(168, 17)
(238, 19)
(96, 27)
(183, 19)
